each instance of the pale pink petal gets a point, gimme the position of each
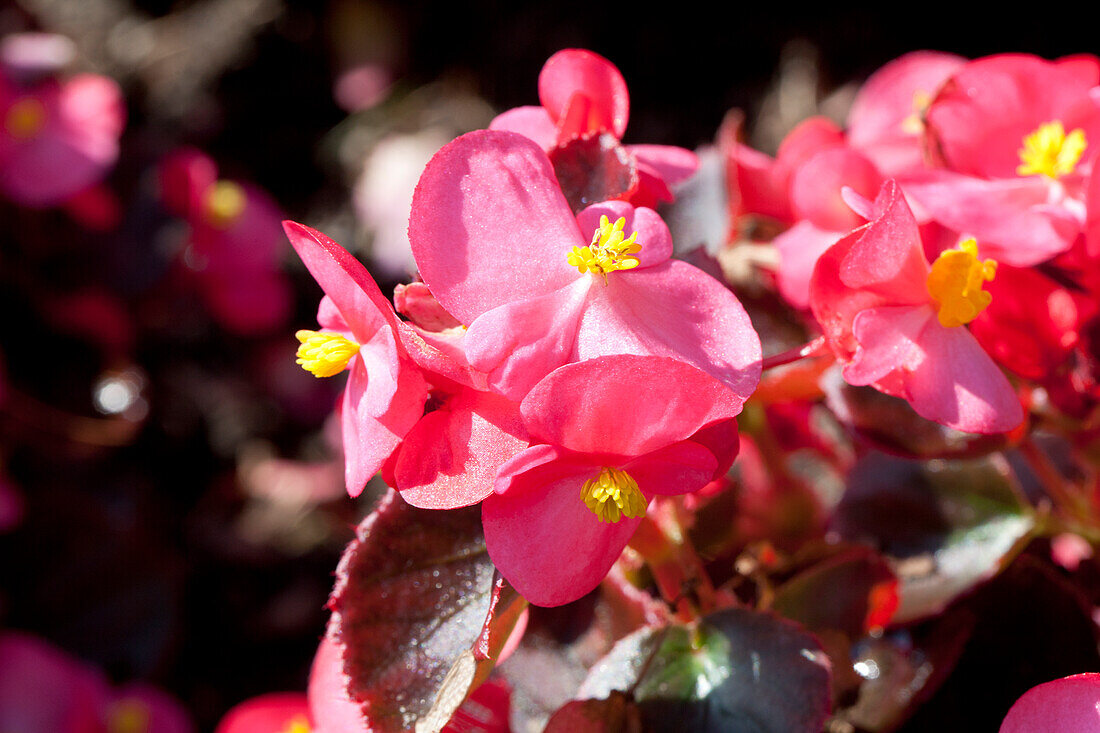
(799, 249)
(1010, 218)
(674, 310)
(576, 71)
(816, 186)
(958, 385)
(532, 122)
(490, 225)
(653, 233)
(625, 405)
(889, 341)
(331, 708)
(677, 469)
(888, 258)
(521, 342)
(543, 538)
(1069, 704)
(671, 163)
(93, 113)
(451, 457)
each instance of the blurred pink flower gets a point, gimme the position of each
(1069, 704)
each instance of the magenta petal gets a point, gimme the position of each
(542, 537)
(521, 342)
(957, 384)
(625, 405)
(760, 186)
(799, 249)
(43, 689)
(490, 225)
(572, 71)
(677, 469)
(1010, 218)
(888, 258)
(531, 122)
(451, 458)
(888, 341)
(653, 233)
(816, 187)
(675, 310)
(1069, 704)
(671, 163)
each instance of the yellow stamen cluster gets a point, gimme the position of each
(223, 203)
(956, 281)
(324, 354)
(297, 725)
(914, 123)
(25, 119)
(609, 250)
(128, 716)
(612, 493)
(1050, 151)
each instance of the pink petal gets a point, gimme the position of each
(958, 385)
(1069, 704)
(274, 711)
(677, 469)
(876, 121)
(816, 187)
(93, 113)
(760, 188)
(799, 249)
(44, 689)
(625, 405)
(1010, 218)
(490, 225)
(672, 164)
(808, 138)
(451, 458)
(651, 190)
(540, 534)
(981, 116)
(653, 233)
(330, 706)
(521, 342)
(674, 310)
(532, 122)
(835, 304)
(576, 71)
(165, 713)
(889, 341)
(888, 258)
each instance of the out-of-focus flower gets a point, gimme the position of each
(57, 136)
(898, 323)
(584, 95)
(275, 712)
(611, 433)
(499, 247)
(1069, 704)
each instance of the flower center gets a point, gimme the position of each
(223, 204)
(128, 716)
(1050, 151)
(612, 493)
(297, 724)
(25, 118)
(955, 283)
(914, 123)
(324, 354)
(609, 250)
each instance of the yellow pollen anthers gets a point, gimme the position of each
(609, 250)
(25, 119)
(612, 493)
(297, 724)
(323, 353)
(223, 203)
(1050, 151)
(955, 283)
(128, 716)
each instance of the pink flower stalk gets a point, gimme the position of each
(614, 432)
(499, 247)
(57, 137)
(235, 242)
(583, 94)
(898, 323)
(1016, 136)
(385, 393)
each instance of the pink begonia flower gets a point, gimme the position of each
(615, 431)
(275, 712)
(1016, 136)
(582, 94)
(1060, 706)
(385, 393)
(137, 706)
(57, 137)
(898, 323)
(234, 245)
(499, 247)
